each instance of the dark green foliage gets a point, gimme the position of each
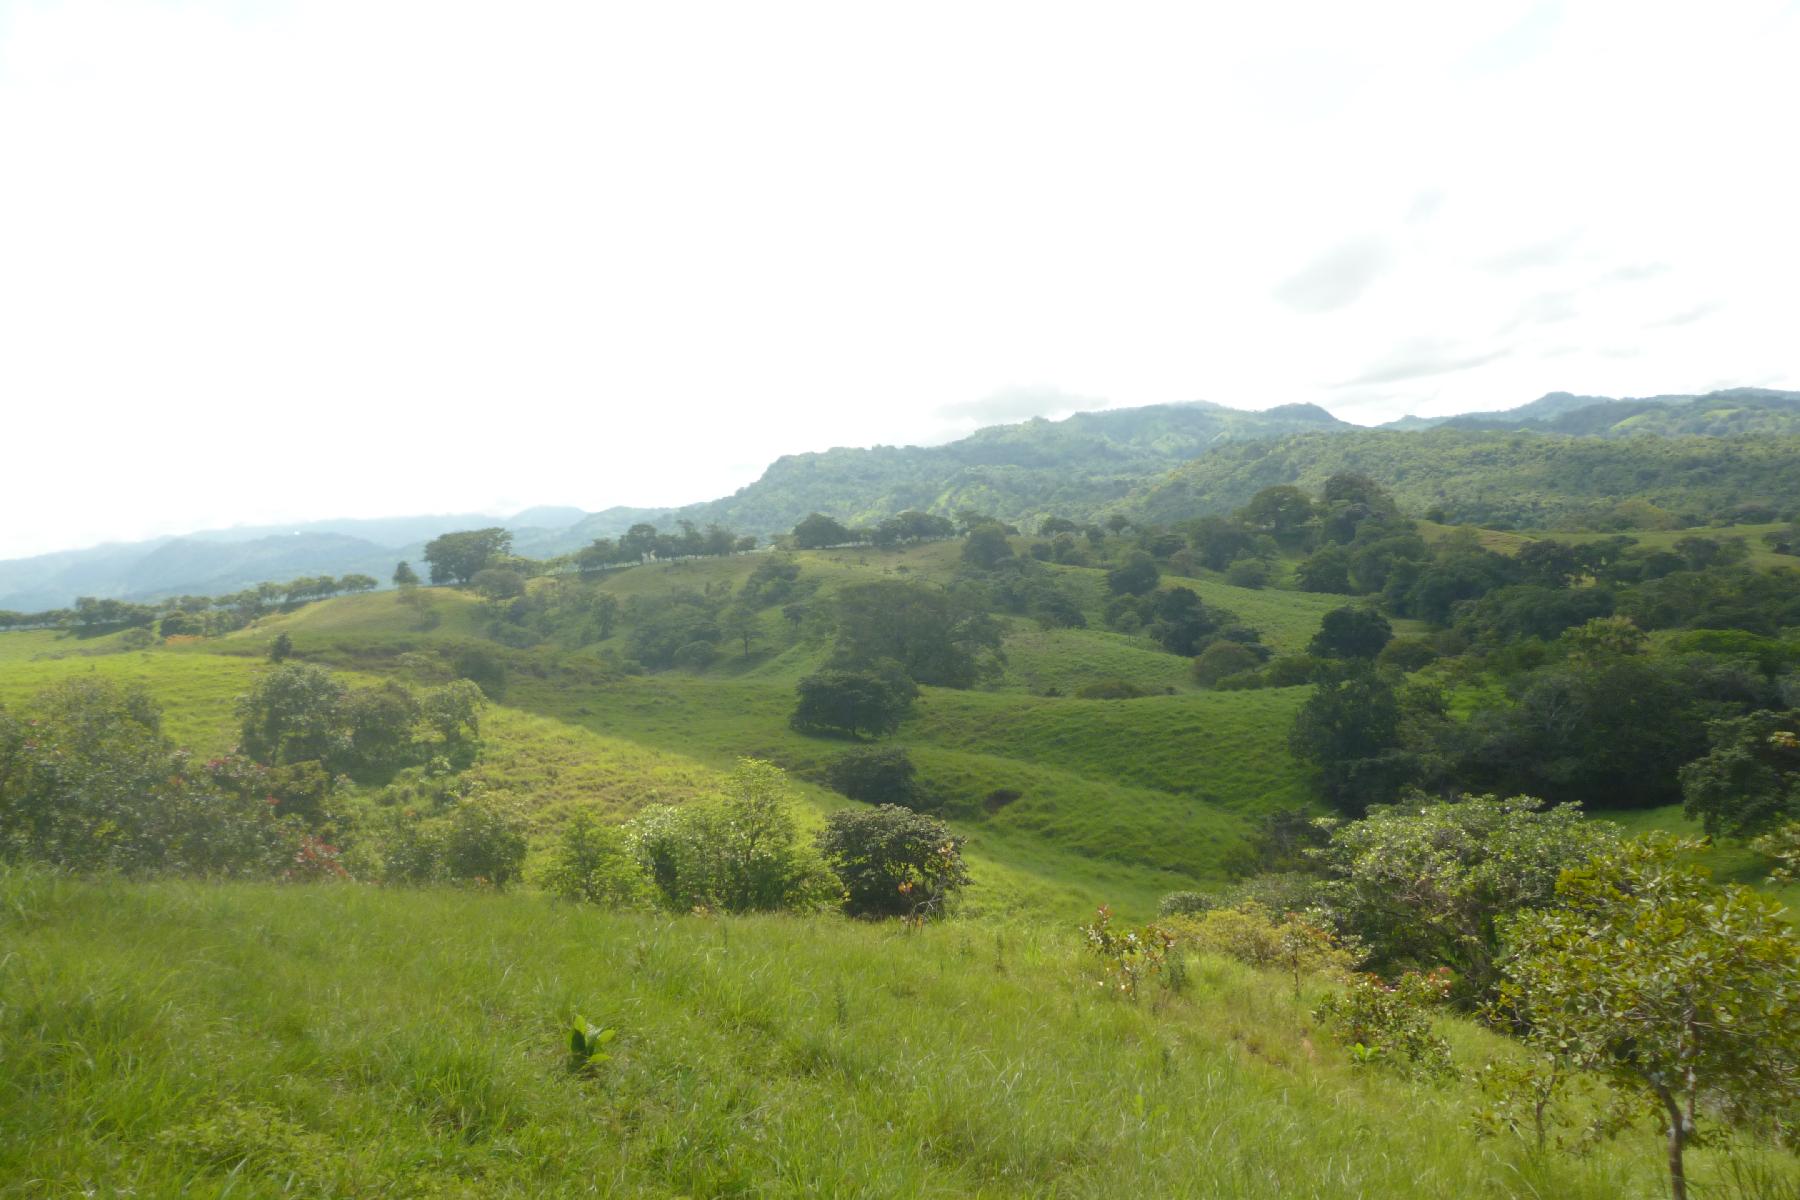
(1351, 633)
(772, 582)
(281, 648)
(893, 862)
(935, 638)
(883, 775)
(1136, 576)
(986, 547)
(1407, 654)
(1349, 730)
(850, 702)
(592, 863)
(482, 666)
(405, 576)
(819, 530)
(663, 634)
(1179, 621)
(478, 840)
(1609, 733)
(1249, 573)
(299, 713)
(1749, 781)
(294, 714)
(1223, 658)
(912, 526)
(1327, 569)
(458, 557)
(498, 583)
(1110, 689)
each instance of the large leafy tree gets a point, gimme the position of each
(1350, 731)
(1749, 781)
(1351, 632)
(851, 702)
(460, 556)
(1683, 996)
(933, 636)
(1428, 886)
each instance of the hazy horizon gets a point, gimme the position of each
(269, 263)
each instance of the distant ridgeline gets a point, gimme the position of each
(1560, 461)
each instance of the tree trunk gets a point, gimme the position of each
(1678, 1135)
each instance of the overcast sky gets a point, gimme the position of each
(275, 261)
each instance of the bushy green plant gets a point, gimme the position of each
(592, 863)
(893, 862)
(1127, 957)
(1389, 1024)
(876, 775)
(735, 852)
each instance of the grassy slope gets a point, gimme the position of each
(204, 1041)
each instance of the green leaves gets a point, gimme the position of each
(587, 1045)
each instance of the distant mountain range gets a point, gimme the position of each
(1170, 459)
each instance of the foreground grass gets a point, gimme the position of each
(212, 1040)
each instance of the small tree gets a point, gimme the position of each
(405, 576)
(592, 864)
(1672, 990)
(986, 547)
(281, 648)
(893, 862)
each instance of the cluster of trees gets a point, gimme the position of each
(890, 637)
(1618, 965)
(188, 615)
(742, 851)
(643, 543)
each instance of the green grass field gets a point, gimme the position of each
(209, 1041)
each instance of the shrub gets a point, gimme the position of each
(1127, 957)
(893, 862)
(1110, 689)
(852, 702)
(1182, 904)
(999, 798)
(1390, 1024)
(1290, 670)
(1221, 659)
(1407, 654)
(738, 852)
(1248, 573)
(875, 776)
(592, 863)
(696, 654)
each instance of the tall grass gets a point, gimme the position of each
(213, 1040)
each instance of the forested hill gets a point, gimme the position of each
(1735, 412)
(1522, 480)
(1078, 465)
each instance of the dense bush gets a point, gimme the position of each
(876, 776)
(88, 782)
(893, 862)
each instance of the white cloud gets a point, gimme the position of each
(269, 260)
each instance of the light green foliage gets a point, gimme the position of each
(350, 1040)
(587, 1046)
(1683, 996)
(737, 852)
(479, 840)
(1299, 944)
(1390, 1024)
(1782, 847)
(1127, 956)
(1429, 884)
(592, 863)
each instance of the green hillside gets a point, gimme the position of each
(1523, 480)
(237, 1040)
